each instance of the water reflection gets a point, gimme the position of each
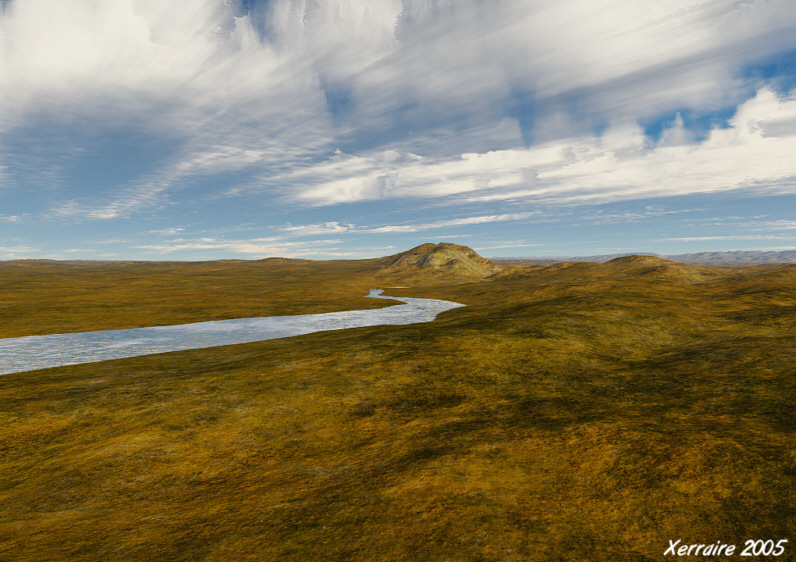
(56, 350)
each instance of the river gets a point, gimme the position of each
(56, 350)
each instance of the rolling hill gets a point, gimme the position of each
(580, 411)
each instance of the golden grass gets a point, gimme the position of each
(45, 298)
(591, 412)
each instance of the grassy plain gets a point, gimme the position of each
(574, 412)
(45, 297)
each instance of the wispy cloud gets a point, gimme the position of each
(145, 196)
(465, 221)
(273, 246)
(336, 227)
(13, 252)
(649, 212)
(167, 231)
(729, 237)
(509, 245)
(302, 65)
(331, 227)
(776, 225)
(111, 241)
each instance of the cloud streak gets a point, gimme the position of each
(731, 237)
(257, 247)
(429, 61)
(336, 227)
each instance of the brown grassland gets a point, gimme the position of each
(572, 412)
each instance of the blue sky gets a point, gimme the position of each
(213, 129)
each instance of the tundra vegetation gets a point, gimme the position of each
(579, 411)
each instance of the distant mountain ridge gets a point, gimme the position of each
(740, 257)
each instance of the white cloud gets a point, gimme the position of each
(509, 245)
(336, 227)
(622, 58)
(315, 229)
(264, 247)
(465, 221)
(140, 196)
(677, 134)
(345, 178)
(620, 164)
(779, 225)
(17, 252)
(167, 231)
(202, 60)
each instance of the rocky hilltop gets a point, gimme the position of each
(445, 257)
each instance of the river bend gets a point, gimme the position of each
(56, 350)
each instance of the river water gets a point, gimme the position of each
(39, 352)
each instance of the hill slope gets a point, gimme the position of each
(653, 265)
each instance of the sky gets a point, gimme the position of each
(347, 129)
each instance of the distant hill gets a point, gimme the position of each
(445, 257)
(653, 266)
(285, 260)
(740, 257)
(65, 263)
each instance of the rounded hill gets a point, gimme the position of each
(653, 265)
(445, 257)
